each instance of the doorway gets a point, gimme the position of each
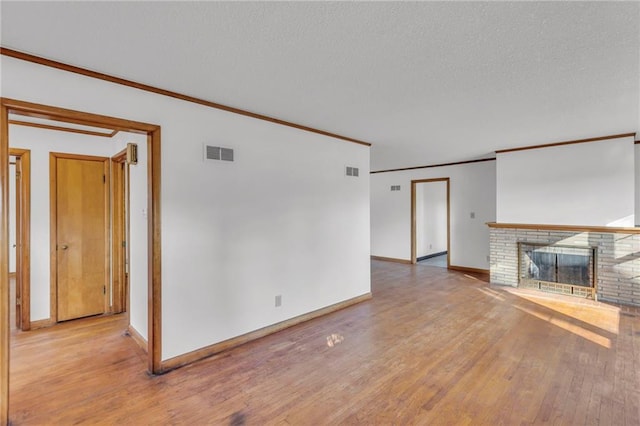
(152, 133)
(120, 232)
(430, 222)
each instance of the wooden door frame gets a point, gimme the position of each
(414, 183)
(154, 355)
(120, 227)
(23, 235)
(53, 228)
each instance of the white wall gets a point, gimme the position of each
(12, 217)
(41, 142)
(431, 218)
(138, 248)
(578, 184)
(283, 219)
(472, 189)
(636, 151)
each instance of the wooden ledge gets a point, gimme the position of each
(578, 228)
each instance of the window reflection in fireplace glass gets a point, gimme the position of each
(543, 265)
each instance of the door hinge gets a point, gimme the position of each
(104, 178)
(124, 244)
(104, 289)
(18, 175)
(18, 301)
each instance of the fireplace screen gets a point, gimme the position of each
(561, 269)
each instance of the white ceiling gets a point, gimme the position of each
(424, 82)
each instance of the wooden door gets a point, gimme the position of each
(81, 235)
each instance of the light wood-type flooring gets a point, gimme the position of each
(432, 347)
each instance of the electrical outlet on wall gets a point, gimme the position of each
(278, 300)
(472, 215)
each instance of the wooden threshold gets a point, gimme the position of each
(216, 348)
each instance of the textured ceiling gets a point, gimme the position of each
(425, 82)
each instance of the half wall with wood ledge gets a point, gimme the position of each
(613, 275)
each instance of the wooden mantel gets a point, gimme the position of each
(577, 228)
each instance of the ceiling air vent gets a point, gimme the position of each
(352, 171)
(218, 153)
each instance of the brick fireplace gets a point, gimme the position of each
(598, 262)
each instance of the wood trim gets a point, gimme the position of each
(43, 323)
(106, 172)
(413, 217)
(72, 156)
(112, 79)
(636, 142)
(226, 345)
(77, 117)
(4, 266)
(53, 238)
(155, 256)
(62, 129)
(467, 269)
(23, 231)
(119, 231)
(120, 157)
(12, 275)
(578, 228)
(549, 145)
(391, 259)
(457, 163)
(155, 250)
(137, 338)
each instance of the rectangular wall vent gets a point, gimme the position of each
(353, 171)
(212, 152)
(395, 187)
(226, 154)
(218, 153)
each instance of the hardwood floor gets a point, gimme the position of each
(431, 347)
